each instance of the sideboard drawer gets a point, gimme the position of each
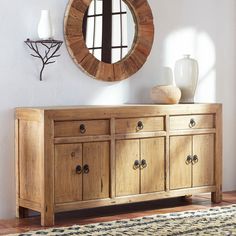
(81, 128)
(133, 125)
(192, 122)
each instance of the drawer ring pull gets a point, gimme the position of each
(82, 129)
(86, 169)
(78, 169)
(188, 160)
(192, 123)
(140, 125)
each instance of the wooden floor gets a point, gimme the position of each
(117, 212)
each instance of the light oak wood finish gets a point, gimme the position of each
(203, 169)
(217, 195)
(152, 176)
(127, 177)
(130, 64)
(48, 169)
(46, 158)
(81, 128)
(180, 169)
(96, 182)
(199, 122)
(30, 160)
(134, 125)
(197, 171)
(68, 183)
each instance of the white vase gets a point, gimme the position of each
(45, 26)
(186, 78)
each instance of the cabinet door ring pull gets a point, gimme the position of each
(188, 160)
(144, 163)
(136, 165)
(86, 169)
(78, 169)
(195, 159)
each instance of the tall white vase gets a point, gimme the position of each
(186, 78)
(45, 25)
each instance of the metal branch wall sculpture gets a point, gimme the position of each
(48, 54)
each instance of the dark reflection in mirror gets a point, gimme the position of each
(108, 29)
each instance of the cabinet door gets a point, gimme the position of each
(127, 177)
(96, 179)
(152, 176)
(180, 168)
(203, 168)
(68, 182)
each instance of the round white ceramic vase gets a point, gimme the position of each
(45, 26)
(186, 78)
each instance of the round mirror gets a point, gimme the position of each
(108, 30)
(110, 40)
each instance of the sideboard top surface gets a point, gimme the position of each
(116, 111)
(49, 108)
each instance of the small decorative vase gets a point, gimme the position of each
(166, 94)
(186, 78)
(45, 26)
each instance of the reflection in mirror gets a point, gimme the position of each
(109, 30)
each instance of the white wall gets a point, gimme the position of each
(205, 28)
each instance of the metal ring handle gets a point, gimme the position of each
(86, 169)
(192, 123)
(82, 129)
(195, 159)
(144, 163)
(78, 169)
(188, 160)
(140, 125)
(136, 165)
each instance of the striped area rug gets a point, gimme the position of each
(214, 221)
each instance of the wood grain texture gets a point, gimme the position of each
(217, 195)
(48, 171)
(152, 176)
(183, 122)
(123, 69)
(127, 178)
(114, 155)
(96, 183)
(203, 170)
(131, 199)
(68, 184)
(180, 172)
(30, 174)
(151, 124)
(17, 168)
(72, 128)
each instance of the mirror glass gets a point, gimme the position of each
(109, 30)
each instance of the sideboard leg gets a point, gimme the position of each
(47, 219)
(216, 197)
(22, 212)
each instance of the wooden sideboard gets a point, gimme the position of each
(70, 158)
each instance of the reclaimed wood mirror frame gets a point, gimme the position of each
(122, 69)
